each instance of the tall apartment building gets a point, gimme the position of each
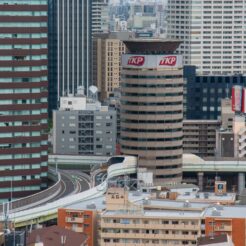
(70, 42)
(213, 34)
(100, 16)
(107, 51)
(23, 97)
(200, 137)
(152, 107)
(83, 126)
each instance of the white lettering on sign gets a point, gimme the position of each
(136, 60)
(168, 61)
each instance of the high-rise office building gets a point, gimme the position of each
(23, 97)
(152, 107)
(70, 43)
(100, 16)
(213, 34)
(203, 93)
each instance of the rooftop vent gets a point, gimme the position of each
(206, 195)
(146, 201)
(197, 195)
(187, 193)
(219, 207)
(186, 204)
(215, 212)
(91, 206)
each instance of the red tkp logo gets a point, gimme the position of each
(168, 61)
(136, 60)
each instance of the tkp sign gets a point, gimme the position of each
(168, 61)
(136, 61)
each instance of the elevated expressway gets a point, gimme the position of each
(233, 168)
(48, 211)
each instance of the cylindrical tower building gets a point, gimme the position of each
(152, 107)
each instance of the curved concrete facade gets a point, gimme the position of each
(152, 119)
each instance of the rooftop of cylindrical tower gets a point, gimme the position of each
(151, 45)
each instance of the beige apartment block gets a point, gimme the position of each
(107, 52)
(131, 224)
(200, 137)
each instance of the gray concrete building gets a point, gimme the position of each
(83, 126)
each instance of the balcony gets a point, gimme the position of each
(148, 236)
(151, 226)
(74, 220)
(223, 228)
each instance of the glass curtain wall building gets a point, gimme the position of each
(70, 53)
(23, 97)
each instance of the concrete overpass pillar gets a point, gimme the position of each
(241, 182)
(200, 180)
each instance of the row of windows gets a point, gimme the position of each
(151, 148)
(24, 112)
(152, 94)
(151, 121)
(23, 24)
(128, 85)
(127, 76)
(23, 35)
(19, 167)
(23, 46)
(23, 58)
(151, 139)
(23, 123)
(23, 13)
(20, 156)
(22, 69)
(19, 178)
(26, 90)
(151, 103)
(19, 145)
(170, 176)
(19, 134)
(151, 130)
(20, 80)
(22, 188)
(24, 101)
(169, 167)
(151, 112)
(23, 2)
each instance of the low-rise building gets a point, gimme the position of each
(83, 126)
(230, 220)
(221, 240)
(56, 236)
(79, 221)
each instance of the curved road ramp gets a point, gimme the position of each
(128, 165)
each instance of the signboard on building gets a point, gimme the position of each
(152, 61)
(244, 100)
(220, 187)
(236, 100)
